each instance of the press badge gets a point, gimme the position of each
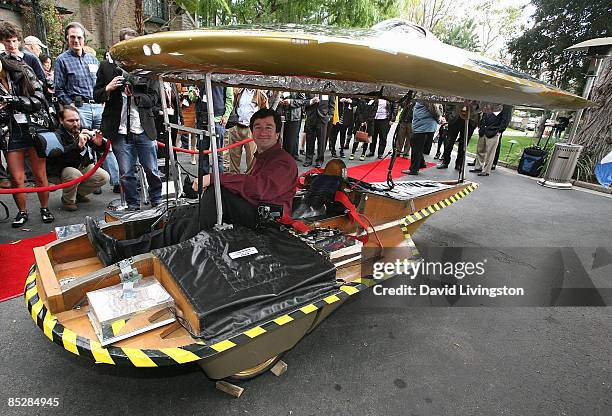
(93, 68)
(324, 97)
(20, 118)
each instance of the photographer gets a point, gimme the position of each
(76, 159)
(22, 111)
(131, 104)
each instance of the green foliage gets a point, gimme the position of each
(462, 34)
(558, 25)
(508, 153)
(54, 24)
(100, 52)
(344, 13)
(496, 23)
(430, 14)
(585, 168)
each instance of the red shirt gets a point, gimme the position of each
(272, 179)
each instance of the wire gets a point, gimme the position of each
(184, 323)
(374, 230)
(368, 172)
(185, 171)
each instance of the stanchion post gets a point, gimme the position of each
(213, 150)
(466, 129)
(168, 128)
(144, 185)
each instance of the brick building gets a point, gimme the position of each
(158, 14)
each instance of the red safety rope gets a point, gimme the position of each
(344, 200)
(207, 152)
(302, 177)
(296, 224)
(62, 185)
(341, 197)
(353, 214)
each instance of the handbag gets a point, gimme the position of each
(361, 135)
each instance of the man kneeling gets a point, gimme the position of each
(76, 160)
(272, 180)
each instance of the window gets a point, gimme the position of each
(155, 10)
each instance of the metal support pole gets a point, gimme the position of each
(213, 148)
(200, 174)
(593, 72)
(144, 185)
(178, 185)
(466, 130)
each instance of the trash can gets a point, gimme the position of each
(562, 165)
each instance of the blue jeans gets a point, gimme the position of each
(91, 116)
(110, 165)
(220, 132)
(145, 150)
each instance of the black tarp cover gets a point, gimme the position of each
(229, 295)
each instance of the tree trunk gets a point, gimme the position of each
(139, 16)
(109, 7)
(107, 24)
(595, 130)
(539, 130)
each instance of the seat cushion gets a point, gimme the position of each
(236, 278)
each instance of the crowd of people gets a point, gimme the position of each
(83, 103)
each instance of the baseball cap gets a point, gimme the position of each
(33, 40)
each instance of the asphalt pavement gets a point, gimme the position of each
(370, 358)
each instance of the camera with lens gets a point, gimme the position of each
(268, 213)
(8, 99)
(128, 79)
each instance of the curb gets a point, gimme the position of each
(575, 182)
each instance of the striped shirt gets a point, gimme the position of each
(75, 75)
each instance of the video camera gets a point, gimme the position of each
(128, 79)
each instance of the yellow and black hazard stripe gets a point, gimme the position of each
(135, 357)
(198, 350)
(432, 209)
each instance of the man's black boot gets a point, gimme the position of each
(102, 243)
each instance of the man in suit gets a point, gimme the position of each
(129, 122)
(318, 112)
(291, 107)
(456, 128)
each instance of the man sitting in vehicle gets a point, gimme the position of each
(76, 160)
(271, 181)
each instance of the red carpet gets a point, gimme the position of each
(379, 173)
(15, 260)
